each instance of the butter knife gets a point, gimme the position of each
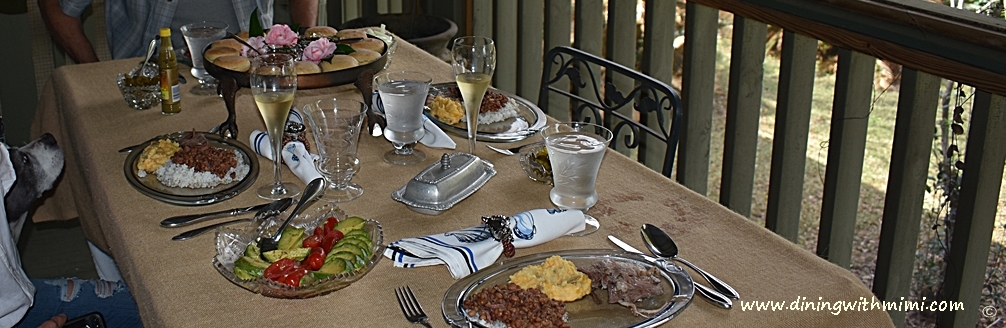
(275, 207)
(184, 220)
(710, 294)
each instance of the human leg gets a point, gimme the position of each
(76, 297)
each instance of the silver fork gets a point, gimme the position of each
(512, 151)
(410, 306)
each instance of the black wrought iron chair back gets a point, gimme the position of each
(649, 97)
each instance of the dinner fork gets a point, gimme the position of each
(514, 150)
(411, 308)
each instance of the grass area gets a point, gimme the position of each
(872, 192)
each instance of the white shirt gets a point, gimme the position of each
(16, 290)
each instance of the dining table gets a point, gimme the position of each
(176, 285)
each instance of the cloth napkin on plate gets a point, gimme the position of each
(435, 137)
(468, 250)
(295, 155)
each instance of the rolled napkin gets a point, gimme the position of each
(295, 155)
(435, 137)
(468, 250)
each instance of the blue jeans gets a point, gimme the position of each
(76, 297)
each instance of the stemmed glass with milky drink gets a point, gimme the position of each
(575, 151)
(273, 82)
(474, 61)
(199, 35)
(403, 95)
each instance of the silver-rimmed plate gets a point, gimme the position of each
(529, 121)
(678, 291)
(148, 185)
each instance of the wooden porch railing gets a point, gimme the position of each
(929, 40)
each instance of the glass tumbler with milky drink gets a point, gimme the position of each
(198, 36)
(273, 82)
(403, 96)
(575, 151)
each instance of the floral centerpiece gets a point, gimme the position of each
(283, 38)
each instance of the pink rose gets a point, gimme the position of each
(256, 41)
(318, 49)
(281, 35)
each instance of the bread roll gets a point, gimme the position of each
(213, 53)
(339, 62)
(243, 35)
(320, 32)
(234, 63)
(229, 43)
(306, 67)
(375, 45)
(351, 34)
(365, 56)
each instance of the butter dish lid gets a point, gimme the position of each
(445, 183)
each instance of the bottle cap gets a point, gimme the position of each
(165, 31)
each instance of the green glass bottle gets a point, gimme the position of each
(171, 94)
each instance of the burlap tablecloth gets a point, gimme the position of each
(175, 284)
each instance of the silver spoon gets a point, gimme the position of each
(661, 244)
(150, 52)
(313, 190)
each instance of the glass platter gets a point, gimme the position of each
(231, 242)
(530, 119)
(149, 185)
(678, 292)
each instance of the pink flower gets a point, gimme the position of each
(256, 41)
(318, 49)
(281, 35)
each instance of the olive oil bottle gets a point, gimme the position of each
(171, 94)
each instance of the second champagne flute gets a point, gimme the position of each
(273, 81)
(474, 61)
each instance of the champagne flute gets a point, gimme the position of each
(474, 61)
(274, 82)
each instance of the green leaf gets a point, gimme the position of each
(255, 28)
(343, 49)
(295, 27)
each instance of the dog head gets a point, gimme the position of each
(37, 165)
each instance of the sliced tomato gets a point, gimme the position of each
(278, 269)
(312, 241)
(315, 260)
(330, 223)
(336, 235)
(320, 231)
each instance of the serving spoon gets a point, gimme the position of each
(313, 190)
(661, 244)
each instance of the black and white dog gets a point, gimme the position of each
(36, 166)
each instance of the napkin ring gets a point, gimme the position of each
(295, 132)
(499, 228)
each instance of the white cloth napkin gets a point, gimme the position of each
(468, 250)
(435, 137)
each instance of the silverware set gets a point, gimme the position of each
(184, 220)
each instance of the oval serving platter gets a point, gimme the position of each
(678, 291)
(311, 81)
(152, 188)
(531, 119)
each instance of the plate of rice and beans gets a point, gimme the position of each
(503, 117)
(191, 168)
(572, 288)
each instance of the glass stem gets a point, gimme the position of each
(277, 143)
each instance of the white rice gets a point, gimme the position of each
(183, 176)
(509, 110)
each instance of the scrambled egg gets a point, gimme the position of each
(156, 154)
(447, 110)
(557, 278)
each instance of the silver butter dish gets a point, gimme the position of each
(444, 184)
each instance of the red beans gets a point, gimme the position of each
(516, 307)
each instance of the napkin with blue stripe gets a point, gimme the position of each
(295, 154)
(468, 250)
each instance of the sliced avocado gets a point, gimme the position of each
(296, 254)
(350, 224)
(292, 238)
(365, 244)
(356, 260)
(248, 268)
(352, 248)
(358, 232)
(334, 267)
(252, 250)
